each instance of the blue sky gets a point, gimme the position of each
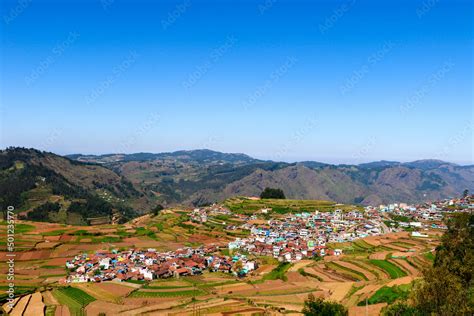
(333, 81)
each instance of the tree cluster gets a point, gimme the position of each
(318, 307)
(447, 288)
(271, 193)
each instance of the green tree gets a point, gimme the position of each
(447, 287)
(401, 309)
(271, 193)
(157, 209)
(465, 193)
(318, 307)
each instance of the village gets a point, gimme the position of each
(287, 238)
(150, 264)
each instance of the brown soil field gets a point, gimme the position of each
(320, 274)
(46, 245)
(399, 248)
(49, 299)
(370, 276)
(337, 290)
(264, 269)
(97, 307)
(66, 238)
(402, 254)
(62, 310)
(400, 281)
(115, 288)
(300, 264)
(52, 238)
(155, 308)
(175, 282)
(332, 276)
(29, 271)
(295, 277)
(35, 306)
(56, 262)
(20, 306)
(6, 307)
(379, 255)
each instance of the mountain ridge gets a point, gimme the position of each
(199, 177)
(191, 152)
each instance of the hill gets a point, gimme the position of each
(200, 177)
(203, 176)
(47, 187)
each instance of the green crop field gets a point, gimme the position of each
(167, 293)
(403, 244)
(388, 294)
(279, 273)
(74, 298)
(352, 274)
(394, 271)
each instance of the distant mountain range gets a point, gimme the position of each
(204, 176)
(30, 178)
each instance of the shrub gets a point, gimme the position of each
(318, 307)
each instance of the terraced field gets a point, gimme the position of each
(75, 299)
(245, 205)
(367, 266)
(393, 270)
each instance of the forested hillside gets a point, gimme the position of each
(46, 187)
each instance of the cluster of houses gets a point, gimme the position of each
(150, 264)
(427, 215)
(302, 235)
(288, 238)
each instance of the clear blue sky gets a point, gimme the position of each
(333, 81)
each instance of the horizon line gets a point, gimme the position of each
(464, 164)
